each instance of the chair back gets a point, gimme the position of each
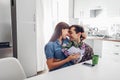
(11, 69)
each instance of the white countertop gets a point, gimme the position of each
(106, 70)
(105, 39)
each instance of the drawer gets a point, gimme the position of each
(111, 46)
(115, 57)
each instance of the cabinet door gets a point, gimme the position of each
(113, 8)
(112, 50)
(111, 47)
(26, 35)
(90, 42)
(110, 8)
(98, 44)
(82, 8)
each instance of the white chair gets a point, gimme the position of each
(11, 69)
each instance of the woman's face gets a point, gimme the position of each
(65, 33)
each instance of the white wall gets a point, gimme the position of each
(55, 11)
(5, 21)
(48, 27)
(41, 60)
(63, 10)
(72, 20)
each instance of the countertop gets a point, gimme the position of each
(105, 39)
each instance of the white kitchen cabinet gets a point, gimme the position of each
(103, 48)
(30, 38)
(90, 42)
(96, 45)
(26, 35)
(109, 8)
(113, 8)
(112, 49)
(82, 8)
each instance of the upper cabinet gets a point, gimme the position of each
(87, 8)
(81, 8)
(113, 8)
(94, 8)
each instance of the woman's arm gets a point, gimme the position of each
(53, 63)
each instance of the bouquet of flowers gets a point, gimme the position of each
(73, 48)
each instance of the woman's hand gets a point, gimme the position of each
(73, 56)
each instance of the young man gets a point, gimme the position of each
(77, 35)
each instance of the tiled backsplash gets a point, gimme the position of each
(100, 26)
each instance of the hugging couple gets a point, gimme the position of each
(67, 47)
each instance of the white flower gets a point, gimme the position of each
(64, 45)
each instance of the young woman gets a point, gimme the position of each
(53, 49)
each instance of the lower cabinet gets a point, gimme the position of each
(112, 50)
(90, 42)
(96, 45)
(105, 48)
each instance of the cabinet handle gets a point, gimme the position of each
(117, 45)
(117, 53)
(34, 27)
(34, 17)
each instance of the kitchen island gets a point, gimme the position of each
(100, 45)
(107, 69)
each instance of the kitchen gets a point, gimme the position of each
(100, 20)
(102, 23)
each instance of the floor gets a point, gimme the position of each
(6, 52)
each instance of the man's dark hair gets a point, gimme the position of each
(78, 28)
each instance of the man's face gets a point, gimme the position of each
(73, 35)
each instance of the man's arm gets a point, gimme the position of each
(84, 36)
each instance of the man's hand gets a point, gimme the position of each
(84, 35)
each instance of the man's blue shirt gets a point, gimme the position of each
(54, 50)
